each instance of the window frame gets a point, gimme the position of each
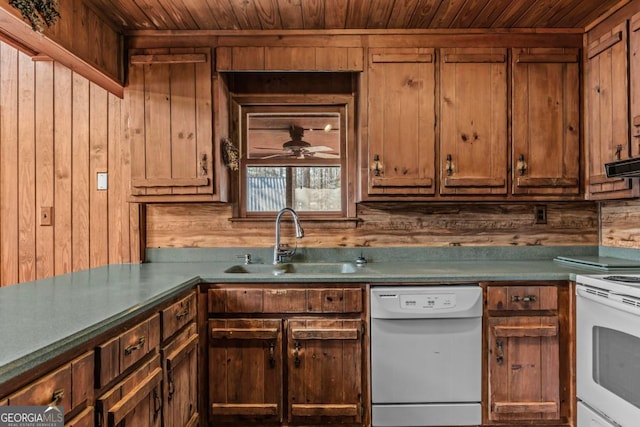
(242, 105)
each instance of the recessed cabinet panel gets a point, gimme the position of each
(473, 100)
(170, 123)
(245, 370)
(546, 121)
(608, 110)
(401, 121)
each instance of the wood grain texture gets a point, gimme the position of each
(620, 224)
(383, 224)
(339, 14)
(56, 131)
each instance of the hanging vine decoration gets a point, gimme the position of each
(39, 13)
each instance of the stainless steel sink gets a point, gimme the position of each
(310, 268)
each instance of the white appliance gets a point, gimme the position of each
(608, 350)
(426, 355)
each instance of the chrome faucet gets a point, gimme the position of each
(280, 252)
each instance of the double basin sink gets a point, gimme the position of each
(310, 268)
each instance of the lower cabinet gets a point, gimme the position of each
(180, 363)
(296, 367)
(136, 400)
(69, 386)
(528, 374)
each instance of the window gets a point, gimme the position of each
(293, 155)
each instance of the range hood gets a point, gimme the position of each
(628, 168)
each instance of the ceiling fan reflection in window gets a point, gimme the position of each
(297, 148)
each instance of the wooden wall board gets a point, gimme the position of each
(383, 224)
(620, 224)
(57, 130)
(8, 164)
(62, 218)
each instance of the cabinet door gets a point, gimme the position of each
(546, 121)
(324, 371)
(473, 147)
(170, 123)
(180, 363)
(83, 419)
(135, 401)
(401, 121)
(634, 75)
(608, 109)
(524, 374)
(245, 370)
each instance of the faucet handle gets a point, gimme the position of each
(247, 258)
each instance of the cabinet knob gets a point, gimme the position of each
(521, 165)
(376, 166)
(618, 152)
(449, 166)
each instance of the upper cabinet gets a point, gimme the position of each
(473, 146)
(607, 95)
(401, 115)
(634, 57)
(289, 58)
(546, 121)
(473, 123)
(171, 125)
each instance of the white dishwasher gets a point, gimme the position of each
(426, 355)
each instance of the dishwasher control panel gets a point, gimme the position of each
(426, 301)
(422, 302)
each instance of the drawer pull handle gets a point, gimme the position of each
(296, 354)
(272, 354)
(500, 357)
(57, 397)
(132, 348)
(183, 313)
(157, 404)
(526, 298)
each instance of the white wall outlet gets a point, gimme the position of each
(102, 180)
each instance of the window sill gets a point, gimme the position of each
(313, 221)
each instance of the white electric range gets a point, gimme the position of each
(608, 350)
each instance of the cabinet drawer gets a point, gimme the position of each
(522, 298)
(83, 419)
(177, 315)
(291, 300)
(69, 386)
(124, 350)
(136, 400)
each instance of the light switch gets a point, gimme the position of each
(102, 181)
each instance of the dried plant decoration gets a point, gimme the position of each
(230, 154)
(39, 13)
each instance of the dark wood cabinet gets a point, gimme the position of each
(179, 352)
(134, 401)
(527, 356)
(293, 357)
(545, 157)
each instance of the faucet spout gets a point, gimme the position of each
(279, 252)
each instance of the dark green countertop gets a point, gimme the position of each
(45, 318)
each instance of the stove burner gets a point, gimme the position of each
(625, 279)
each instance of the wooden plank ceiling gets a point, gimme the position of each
(251, 15)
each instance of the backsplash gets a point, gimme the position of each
(382, 225)
(620, 224)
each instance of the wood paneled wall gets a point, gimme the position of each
(620, 224)
(57, 130)
(383, 224)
